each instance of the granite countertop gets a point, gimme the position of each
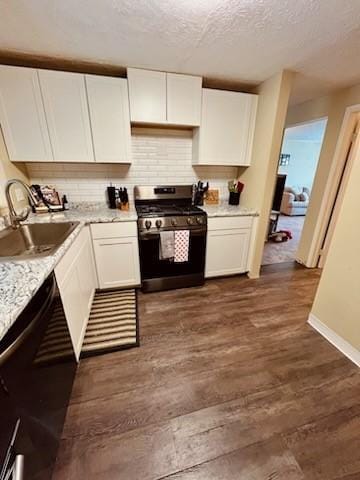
(21, 279)
(86, 212)
(226, 210)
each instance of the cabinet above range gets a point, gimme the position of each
(164, 98)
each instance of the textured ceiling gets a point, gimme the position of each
(233, 40)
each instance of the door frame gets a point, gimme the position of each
(352, 151)
(332, 184)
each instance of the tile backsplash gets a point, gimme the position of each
(160, 156)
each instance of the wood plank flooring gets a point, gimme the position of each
(229, 383)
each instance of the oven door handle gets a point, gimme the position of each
(151, 235)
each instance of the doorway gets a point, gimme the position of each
(298, 161)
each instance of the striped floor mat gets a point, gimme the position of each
(113, 322)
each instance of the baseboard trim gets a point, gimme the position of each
(338, 342)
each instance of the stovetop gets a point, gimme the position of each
(160, 210)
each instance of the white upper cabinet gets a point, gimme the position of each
(227, 128)
(110, 118)
(147, 94)
(67, 115)
(22, 115)
(183, 99)
(164, 98)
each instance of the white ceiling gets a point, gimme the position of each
(236, 40)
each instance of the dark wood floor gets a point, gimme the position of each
(229, 383)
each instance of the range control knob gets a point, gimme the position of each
(190, 221)
(147, 224)
(173, 222)
(158, 223)
(199, 220)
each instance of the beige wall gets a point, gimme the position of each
(259, 179)
(9, 170)
(333, 107)
(337, 302)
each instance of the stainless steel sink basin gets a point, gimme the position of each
(33, 240)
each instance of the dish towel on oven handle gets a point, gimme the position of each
(182, 240)
(167, 245)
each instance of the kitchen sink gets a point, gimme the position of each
(33, 240)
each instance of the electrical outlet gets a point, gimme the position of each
(19, 194)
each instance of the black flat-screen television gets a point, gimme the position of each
(279, 190)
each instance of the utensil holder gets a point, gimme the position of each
(234, 198)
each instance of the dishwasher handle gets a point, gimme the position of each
(18, 468)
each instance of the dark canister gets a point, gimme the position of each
(111, 197)
(234, 198)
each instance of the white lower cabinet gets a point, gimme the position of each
(227, 249)
(76, 279)
(116, 254)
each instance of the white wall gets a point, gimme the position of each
(332, 106)
(337, 303)
(9, 170)
(303, 161)
(160, 156)
(303, 143)
(259, 179)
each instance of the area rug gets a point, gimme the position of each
(113, 322)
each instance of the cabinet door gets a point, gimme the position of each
(86, 272)
(22, 115)
(76, 279)
(75, 308)
(183, 99)
(110, 118)
(67, 115)
(147, 94)
(117, 262)
(227, 252)
(227, 128)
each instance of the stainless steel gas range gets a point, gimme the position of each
(169, 209)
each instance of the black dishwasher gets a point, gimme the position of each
(37, 370)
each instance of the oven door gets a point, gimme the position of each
(158, 274)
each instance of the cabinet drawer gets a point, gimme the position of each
(113, 230)
(229, 223)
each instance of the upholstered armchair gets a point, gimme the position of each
(295, 201)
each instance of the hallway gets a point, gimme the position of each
(285, 251)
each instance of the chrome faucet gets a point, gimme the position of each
(16, 218)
